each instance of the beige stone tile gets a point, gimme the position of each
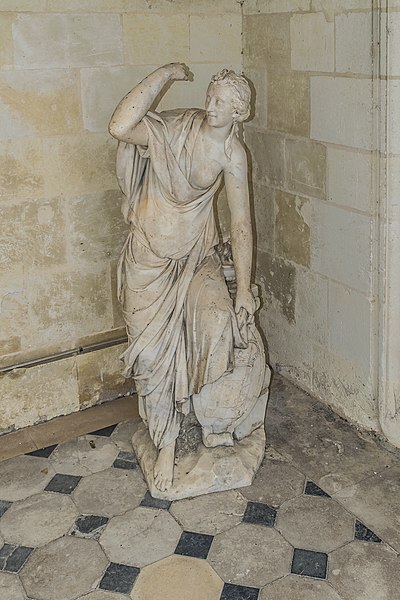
(266, 41)
(365, 570)
(16, 443)
(250, 555)
(10, 587)
(96, 494)
(170, 31)
(84, 455)
(39, 103)
(264, 217)
(225, 31)
(376, 502)
(6, 42)
(75, 40)
(289, 102)
(349, 178)
(311, 312)
(312, 42)
(315, 523)
(347, 101)
(274, 6)
(278, 279)
(306, 167)
(267, 156)
(299, 588)
(353, 33)
(140, 537)
(28, 398)
(102, 595)
(38, 520)
(22, 169)
(179, 578)
(122, 435)
(340, 245)
(274, 483)
(23, 476)
(210, 514)
(80, 164)
(65, 568)
(292, 231)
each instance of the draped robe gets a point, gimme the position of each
(180, 320)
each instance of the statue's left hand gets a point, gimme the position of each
(245, 305)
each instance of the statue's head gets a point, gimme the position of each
(233, 91)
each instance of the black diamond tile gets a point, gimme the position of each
(239, 592)
(312, 489)
(151, 502)
(125, 460)
(193, 544)
(363, 534)
(259, 514)
(119, 578)
(310, 563)
(12, 558)
(43, 452)
(105, 431)
(90, 523)
(63, 484)
(4, 505)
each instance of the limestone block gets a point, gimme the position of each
(292, 231)
(90, 6)
(27, 397)
(97, 230)
(32, 235)
(393, 91)
(340, 245)
(146, 34)
(39, 102)
(264, 217)
(306, 167)
(354, 43)
(80, 164)
(258, 82)
(274, 6)
(14, 319)
(349, 178)
(225, 31)
(267, 154)
(22, 169)
(9, 345)
(350, 325)
(266, 41)
(289, 102)
(348, 102)
(100, 376)
(311, 312)
(6, 42)
(221, 7)
(390, 30)
(278, 278)
(24, 5)
(338, 6)
(67, 305)
(75, 40)
(312, 42)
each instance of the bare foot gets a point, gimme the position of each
(164, 468)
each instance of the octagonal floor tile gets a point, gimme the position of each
(84, 455)
(109, 493)
(122, 435)
(211, 513)
(103, 595)
(10, 587)
(140, 537)
(38, 520)
(315, 523)
(64, 569)
(24, 476)
(250, 555)
(365, 570)
(275, 482)
(294, 587)
(178, 578)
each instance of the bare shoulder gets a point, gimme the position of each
(238, 160)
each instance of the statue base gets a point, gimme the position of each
(204, 470)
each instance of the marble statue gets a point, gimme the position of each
(191, 348)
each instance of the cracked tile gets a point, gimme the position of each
(274, 483)
(23, 476)
(151, 502)
(90, 526)
(259, 514)
(84, 455)
(122, 435)
(296, 587)
(13, 557)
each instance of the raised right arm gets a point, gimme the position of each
(125, 124)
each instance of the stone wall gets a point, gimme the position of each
(63, 67)
(314, 167)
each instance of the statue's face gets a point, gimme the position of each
(219, 105)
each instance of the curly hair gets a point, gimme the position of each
(241, 88)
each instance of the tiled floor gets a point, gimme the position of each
(320, 522)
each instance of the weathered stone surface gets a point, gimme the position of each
(296, 587)
(23, 476)
(338, 6)
(349, 178)
(264, 216)
(170, 31)
(292, 232)
(275, 482)
(10, 587)
(257, 76)
(311, 313)
(289, 102)
(14, 318)
(140, 537)
(208, 470)
(312, 42)
(224, 30)
(267, 156)
(390, 30)
(274, 6)
(306, 167)
(29, 390)
(6, 42)
(102, 595)
(22, 169)
(76, 41)
(39, 103)
(393, 93)
(354, 43)
(84, 455)
(63, 569)
(266, 41)
(278, 278)
(122, 434)
(38, 520)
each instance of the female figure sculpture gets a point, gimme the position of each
(181, 323)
